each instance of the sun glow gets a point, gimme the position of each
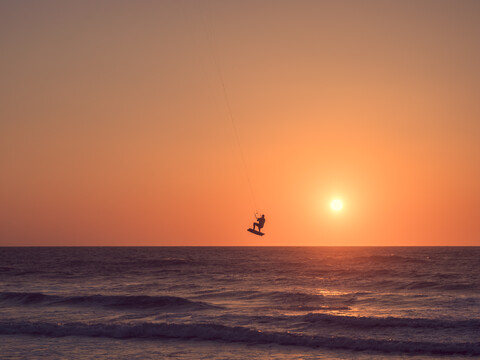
(336, 205)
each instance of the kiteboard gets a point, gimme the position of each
(256, 232)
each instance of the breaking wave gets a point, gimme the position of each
(379, 322)
(216, 332)
(117, 301)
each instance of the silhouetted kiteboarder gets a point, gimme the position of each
(259, 224)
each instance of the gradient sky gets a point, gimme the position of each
(114, 129)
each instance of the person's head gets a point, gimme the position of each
(263, 215)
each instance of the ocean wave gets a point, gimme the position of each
(27, 272)
(437, 285)
(234, 294)
(418, 285)
(392, 259)
(158, 263)
(379, 322)
(217, 332)
(5, 269)
(316, 308)
(93, 267)
(283, 297)
(295, 297)
(117, 301)
(287, 297)
(459, 286)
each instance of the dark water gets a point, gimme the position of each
(238, 303)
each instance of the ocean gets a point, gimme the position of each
(240, 302)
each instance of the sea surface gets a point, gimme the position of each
(240, 303)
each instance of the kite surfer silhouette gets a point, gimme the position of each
(259, 225)
(261, 222)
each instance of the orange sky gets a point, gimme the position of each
(114, 129)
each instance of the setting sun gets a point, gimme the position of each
(336, 205)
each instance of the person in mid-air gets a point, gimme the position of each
(261, 222)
